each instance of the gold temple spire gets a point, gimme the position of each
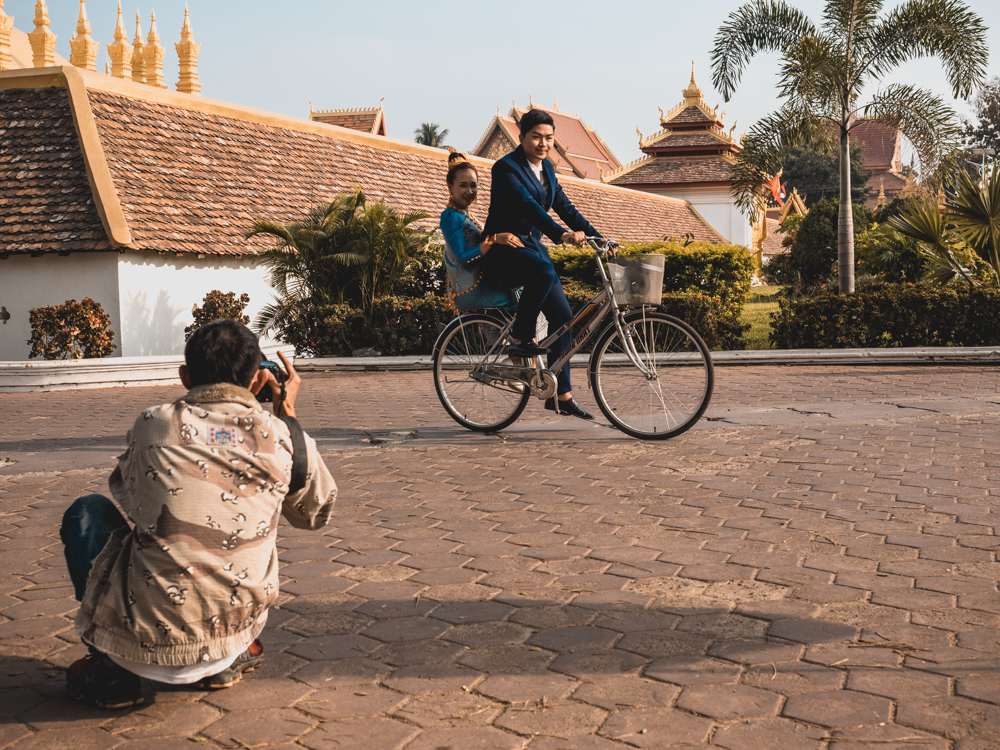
(154, 53)
(692, 94)
(187, 52)
(83, 48)
(121, 51)
(6, 26)
(43, 41)
(138, 53)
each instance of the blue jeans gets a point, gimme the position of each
(87, 524)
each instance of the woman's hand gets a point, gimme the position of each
(506, 238)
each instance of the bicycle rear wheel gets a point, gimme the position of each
(675, 393)
(466, 343)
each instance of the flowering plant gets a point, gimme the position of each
(72, 330)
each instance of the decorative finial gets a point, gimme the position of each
(83, 48)
(662, 116)
(138, 53)
(555, 104)
(43, 41)
(154, 53)
(380, 102)
(107, 67)
(640, 133)
(310, 109)
(120, 52)
(530, 103)
(6, 27)
(692, 94)
(732, 129)
(187, 53)
(498, 109)
(600, 172)
(881, 191)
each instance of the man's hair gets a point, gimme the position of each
(534, 117)
(223, 351)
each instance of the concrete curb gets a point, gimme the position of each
(800, 357)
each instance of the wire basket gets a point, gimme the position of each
(637, 279)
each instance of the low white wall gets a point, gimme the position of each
(27, 282)
(157, 293)
(718, 208)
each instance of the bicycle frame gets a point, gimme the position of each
(604, 300)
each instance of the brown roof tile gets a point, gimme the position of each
(881, 142)
(190, 181)
(772, 243)
(690, 114)
(672, 171)
(45, 199)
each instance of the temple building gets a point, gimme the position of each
(881, 143)
(139, 197)
(370, 120)
(579, 150)
(690, 157)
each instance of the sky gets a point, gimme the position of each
(453, 63)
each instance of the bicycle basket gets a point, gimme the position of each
(637, 279)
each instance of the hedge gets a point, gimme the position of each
(889, 315)
(723, 272)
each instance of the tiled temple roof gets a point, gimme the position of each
(654, 171)
(173, 173)
(371, 120)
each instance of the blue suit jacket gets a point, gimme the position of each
(520, 205)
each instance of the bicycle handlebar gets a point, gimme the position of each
(609, 246)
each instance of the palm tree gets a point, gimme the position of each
(345, 251)
(824, 71)
(430, 134)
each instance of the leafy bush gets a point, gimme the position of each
(72, 330)
(890, 315)
(401, 325)
(813, 252)
(218, 306)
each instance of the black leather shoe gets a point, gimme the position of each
(571, 408)
(526, 350)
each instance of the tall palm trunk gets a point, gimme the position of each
(845, 227)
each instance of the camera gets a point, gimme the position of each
(266, 395)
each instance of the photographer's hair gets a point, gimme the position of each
(458, 162)
(534, 117)
(223, 351)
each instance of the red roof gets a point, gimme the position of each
(881, 145)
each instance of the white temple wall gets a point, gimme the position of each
(157, 293)
(718, 208)
(27, 282)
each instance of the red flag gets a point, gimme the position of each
(774, 185)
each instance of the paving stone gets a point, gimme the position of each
(342, 673)
(754, 652)
(526, 688)
(405, 629)
(792, 678)
(507, 659)
(693, 670)
(350, 702)
(488, 634)
(360, 734)
(781, 609)
(725, 702)
(837, 709)
(768, 733)
(554, 719)
(567, 640)
(259, 694)
(248, 728)
(436, 678)
(613, 693)
(445, 710)
(656, 727)
(812, 631)
(889, 737)
(69, 739)
(462, 738)
(586, 665)
(458, 613)
(984, 687)
(334, 647)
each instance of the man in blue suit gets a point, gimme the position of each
(524, 188)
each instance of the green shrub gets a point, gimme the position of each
(814, 249)
(401, 325)
(218, 306)
(72, 330)
(889, 315)
(718, 271)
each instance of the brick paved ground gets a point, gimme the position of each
(813, 567)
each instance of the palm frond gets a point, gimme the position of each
(923, 221)
(975, 213)
(759, 26)
(947, 29)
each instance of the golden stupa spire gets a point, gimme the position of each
(138, 53)
(187, 51)
(6, 26)
(83, 48)
(121, 51)
(692, 94)
(154, 53)
(43, 41)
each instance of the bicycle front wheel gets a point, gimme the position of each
(468, 342)
(673, 392)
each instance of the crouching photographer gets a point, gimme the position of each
(178, 588)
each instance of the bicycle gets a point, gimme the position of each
(651, 374)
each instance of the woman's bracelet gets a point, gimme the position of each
(488, 242)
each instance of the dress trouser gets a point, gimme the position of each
(87, 524)
(509, 267)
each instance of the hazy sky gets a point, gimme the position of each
(453, 62)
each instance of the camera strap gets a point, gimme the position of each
(300, 455)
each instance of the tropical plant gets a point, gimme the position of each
(813, 254)
(816, 175)
(970, 221)
(218, 305)
(72, 330)
(430, 134)
(985, 132)
(824, 72)
(887, 253)
(344, 252)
